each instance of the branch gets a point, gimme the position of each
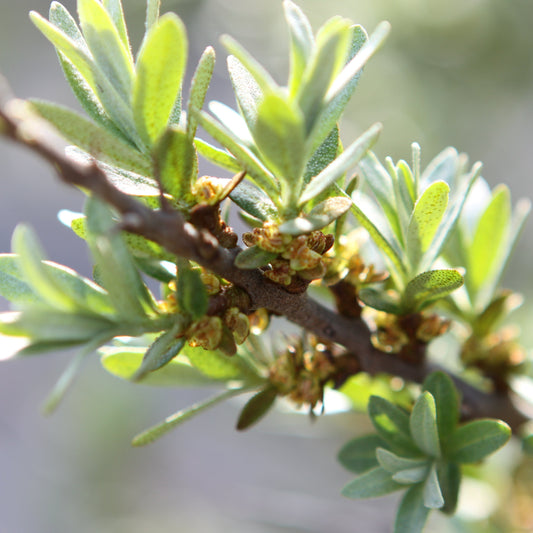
(176, 235)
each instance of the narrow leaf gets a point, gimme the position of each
(152, 13)
(371, 484)
(191, 291)
(160, 67)
(114, 8)
(433, 498)
(474, 441)
(254, 257)
(380, 300)
(341, 164)
(412, 514)
(423, 424)
(410, 476)
(394, 463)
(449, 475)
(441, 387)
(359, 454)
(256, 408)
(92, 138)
(157, 431)
(217, 156)
(252, 200)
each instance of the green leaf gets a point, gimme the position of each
(157, 431)
(302, 41)
(371, 484)
(256, 408)
(219, 157)
(254, 201)
(160, 66)
(262, 177)
(380, 183)
(429, 286)
(247, 92)
(327, 59)
(114, 8)
(334, 105)
(320, 216)
(441, 387)
(425, 220)
(491, 231)
(380, 300)
(447, 224)
(433, 498)
(449, 475)
(191, 291)
(410, 476)
(112, 102)
(152, 13)
(392, 424)
(359, 454)
(199, 85)
(279, 134)
(423, 424)
(254, 257)
(323, 156)
(412, 514)
(124, 362)
(474, 441)
(92, 138)
(263, 79)
(394, 463)
(44, 325)
(116, 266)
(177, 163)
(110, 53)
(162, 351)
(341, 164)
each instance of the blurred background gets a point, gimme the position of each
(454, 72)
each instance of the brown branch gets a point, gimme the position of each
(170, 230)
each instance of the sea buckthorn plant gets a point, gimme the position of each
(373, 260)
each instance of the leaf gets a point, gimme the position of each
(474, 441)
(359, 454)
(334, 105)
(410, 476)
(114, 8)
(257, 407)
(341, 164)
(392, 424)
(219, 157)
(116, 267)
(323, 156)
(412, 514)
(441, 387)
(491, 231)
(124, 362)
(160, 67)
(110, 53)
(262, 177)
(450, 217)
(254, 201)
(327, 59)
(45, 325)
(449, 475)
(301, 42)
(247, 92)
(177, 163)
(112, 102)
(433, 498)
(191, 291)
(162, 351)
(380, 300)
(320, 216)
(279, 135)
(425, 220)
(423, 424)
(254, 257)
(199, 85)
(157, 431)
(380, 183)
(92, 138)
(394, 463)
(371, 484)
(152, 13)
(443, 167)
(429, 286)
